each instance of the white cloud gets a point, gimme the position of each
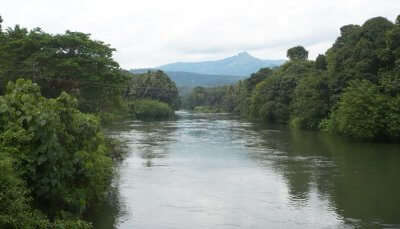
(155, 32)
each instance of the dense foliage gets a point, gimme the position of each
(69, 62)
(147, 109)
(156, 86)
(353, 89)
(152, 95)
(56, 150)
(54, 159)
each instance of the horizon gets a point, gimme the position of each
(152, 33)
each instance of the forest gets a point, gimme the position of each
(351, 90)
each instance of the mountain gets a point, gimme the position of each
(242, 64)
(191, 79)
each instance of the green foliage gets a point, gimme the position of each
(257, 77)
(206, 97)
(311, 102)
(361, 52)
(360, 110)
(70, 62)
(156, 86)
(297, 53)
(272, 97)
(15, 209)
(58, 151)
(365, 112)
(146, 109)
(232, 98)
(320, 62)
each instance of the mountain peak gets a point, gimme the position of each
(244, 54)
(242, 64)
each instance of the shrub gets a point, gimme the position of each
(58, 151)
(146, 109)
(360, 111)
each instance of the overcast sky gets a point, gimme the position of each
(149, 33)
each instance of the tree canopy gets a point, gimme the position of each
(297, 53)
(154, 85)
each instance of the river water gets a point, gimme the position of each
(216, 171)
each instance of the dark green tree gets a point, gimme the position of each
(70, 62)
(58, 151)
(310, 102)
(257, 77)
(154, 85)
(320, 62)
(360, 111)
(297, 53)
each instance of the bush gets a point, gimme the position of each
(15, 210)
(59, 152)
(146, 109)
(360, 111)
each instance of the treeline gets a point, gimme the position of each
(353, 90)
(55, 91)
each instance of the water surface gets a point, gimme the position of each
(216, 171)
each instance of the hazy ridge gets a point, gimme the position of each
(213, 73)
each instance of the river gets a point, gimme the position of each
(217, 171)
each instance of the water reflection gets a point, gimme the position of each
(215, 171)
(108, 213)
(358, 179)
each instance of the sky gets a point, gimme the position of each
(148, 33)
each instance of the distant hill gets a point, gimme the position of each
(242, 64)
(190, 79)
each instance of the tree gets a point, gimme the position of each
(70, 62)
(272, 97)
(320, 62)
(154, 85)
(360, 111)
(310, 102)
(15, 208)
(58, 151)
(297, 53)
(257, 77)
(361, 52)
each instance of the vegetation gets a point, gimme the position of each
(147, 109)
(352, 90)
(156, 86)
(152, 95)
(54, 149)
(69, 62)
(55, 161)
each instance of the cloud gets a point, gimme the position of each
(155, 32)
